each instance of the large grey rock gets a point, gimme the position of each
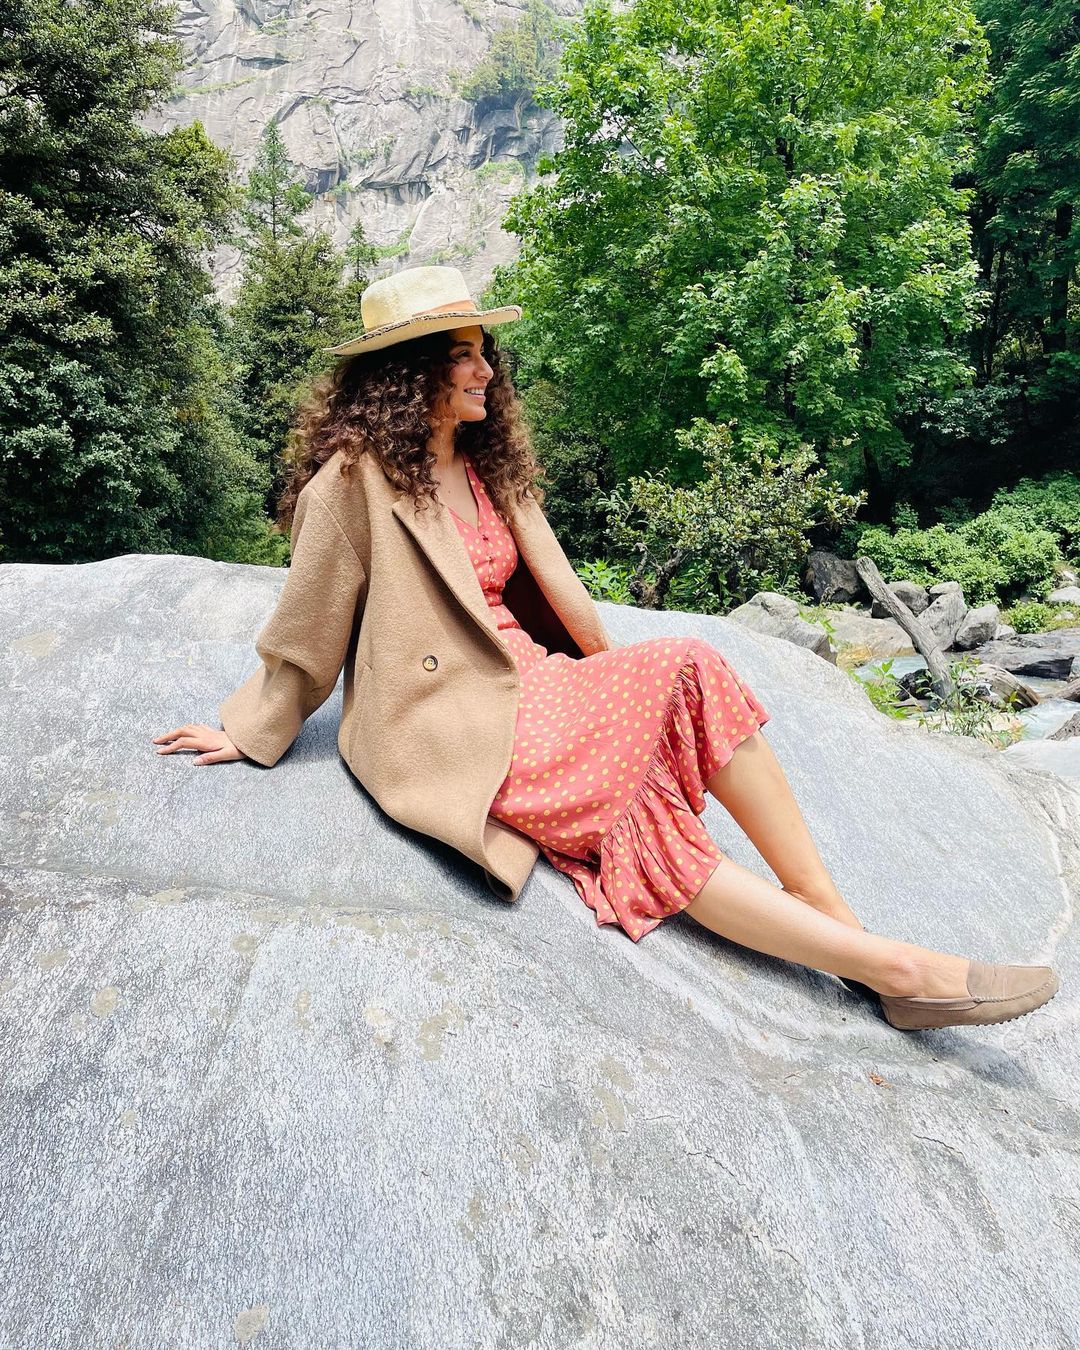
(910, 592)
(1058, 757)
(832, 579)
(1054, 655)
(978, 625)
(277, 1072)
(945, 613)
(778, 615)
(1064, 595)
(880, 637)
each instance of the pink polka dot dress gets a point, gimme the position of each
(612, 751)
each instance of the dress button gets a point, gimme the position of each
(430, 662)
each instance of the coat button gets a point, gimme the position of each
(430, 662)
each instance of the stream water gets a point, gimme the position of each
(1038, 722)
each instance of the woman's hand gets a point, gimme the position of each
(214, 744)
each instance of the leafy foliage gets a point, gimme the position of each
(742, 528)
(883, 689)
(1050, 503)
(1017, 544)
(965, 710)
(114, 411)
(607, 581)
(991, 557)
(576, 473)
(754, 218)
(1023, 412)
(523, 56)
(1032, 616)
(1029, 177)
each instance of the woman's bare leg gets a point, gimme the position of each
(753, 788)
(741, 906)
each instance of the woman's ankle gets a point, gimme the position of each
(899, 976)
(918, 972)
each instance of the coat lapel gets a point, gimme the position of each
(438, 537)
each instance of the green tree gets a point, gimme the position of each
(114, 435)
(1020, 416)
(523, 56)
(744, 528)
(360, 257)
(297, 295)
(290, 304)
(1028, 170)
(273, 198)
(1027, 236)
(754, 219)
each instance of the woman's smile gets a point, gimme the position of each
(470, 374)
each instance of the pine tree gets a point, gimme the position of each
(294, 299)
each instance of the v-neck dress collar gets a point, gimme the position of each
(478, 495)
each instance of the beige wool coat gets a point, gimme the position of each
(431, 691)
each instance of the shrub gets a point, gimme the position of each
(606, 581)
(1032, 616)
(992, 556)
(1012, 546)
(930, 556)
(523, 55)
(743, 528)
(1049, 503)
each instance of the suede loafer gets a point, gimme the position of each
(996, 993)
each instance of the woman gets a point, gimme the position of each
(484, 703)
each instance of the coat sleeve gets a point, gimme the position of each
(304, 642)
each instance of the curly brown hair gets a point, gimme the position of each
(381, 403)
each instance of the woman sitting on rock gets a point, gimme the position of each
(485, 705)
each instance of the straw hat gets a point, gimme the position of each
(414, 301)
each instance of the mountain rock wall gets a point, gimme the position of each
(364, 96)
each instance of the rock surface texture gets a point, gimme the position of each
(365, 97)
(280, 1073)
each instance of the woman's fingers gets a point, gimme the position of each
(214, 746)
(183, 743)
(170, 735)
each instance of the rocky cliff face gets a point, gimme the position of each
(364, 96)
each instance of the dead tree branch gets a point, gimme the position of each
(925, 643)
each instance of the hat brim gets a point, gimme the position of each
(405, 329)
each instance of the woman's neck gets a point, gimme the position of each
(441, 445)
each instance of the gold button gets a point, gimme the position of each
(430, 662)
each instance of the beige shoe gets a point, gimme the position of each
(996, 993)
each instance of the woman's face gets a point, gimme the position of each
(469, 375)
